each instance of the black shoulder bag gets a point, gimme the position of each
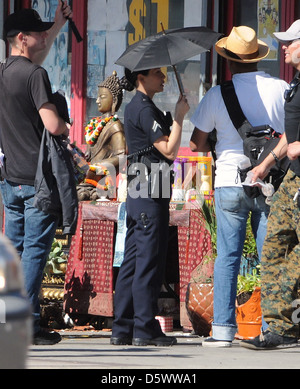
(258, 142)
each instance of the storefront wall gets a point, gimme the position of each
(109, 26)
(112, 26)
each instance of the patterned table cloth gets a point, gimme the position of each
(89, 276)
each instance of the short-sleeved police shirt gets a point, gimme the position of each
(144, 123)
(292, 126)
(26, 87)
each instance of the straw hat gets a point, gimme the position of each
(242, 46)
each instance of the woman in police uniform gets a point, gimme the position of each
(150, 144)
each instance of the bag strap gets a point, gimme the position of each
(234, 109)
(2, 67)
(140, 153)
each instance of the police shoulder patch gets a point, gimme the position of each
(155, 126)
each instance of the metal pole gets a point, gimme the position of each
(215, 56)
(178, 79)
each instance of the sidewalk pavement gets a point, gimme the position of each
(92, 350)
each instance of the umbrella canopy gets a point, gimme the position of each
(168, 48)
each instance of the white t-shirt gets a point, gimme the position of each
(262, 100)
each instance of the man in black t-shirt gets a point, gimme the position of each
(280, 264)
(26, 108)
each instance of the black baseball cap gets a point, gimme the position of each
(23, 21)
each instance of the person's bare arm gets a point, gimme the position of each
(52, 121)
(63, 11)
(199, 141)
(169, 145)
(280, 151)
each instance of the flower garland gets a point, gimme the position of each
(99, 170)
(106, 187)
(95, 126)
(108, 179)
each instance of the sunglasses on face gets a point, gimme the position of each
(290, 93)
(288, 43)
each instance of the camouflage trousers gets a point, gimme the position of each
(280, 262)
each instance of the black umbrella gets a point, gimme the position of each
(168, 48)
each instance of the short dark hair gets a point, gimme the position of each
(244, 67)
(132, 76)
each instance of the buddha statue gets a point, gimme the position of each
(105, 140)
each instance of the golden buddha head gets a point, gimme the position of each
(110, 94)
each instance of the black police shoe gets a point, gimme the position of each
(159, 341)
(43, 337)
(269, 341)
(120, 341)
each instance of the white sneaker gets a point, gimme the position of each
(211, 342)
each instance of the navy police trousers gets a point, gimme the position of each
(142, 272)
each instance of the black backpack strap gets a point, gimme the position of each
(234, 109)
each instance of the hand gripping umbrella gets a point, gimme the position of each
(168, 48)
(74, 28)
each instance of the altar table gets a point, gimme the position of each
(89, 283)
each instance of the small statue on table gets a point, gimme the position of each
(105, 140)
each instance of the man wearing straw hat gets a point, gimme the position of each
(262, 101)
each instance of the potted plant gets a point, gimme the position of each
(249, 260)
(248, 309)
(199, 299)
(247, 284)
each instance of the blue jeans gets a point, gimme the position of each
(232, 211)
(31, 233)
